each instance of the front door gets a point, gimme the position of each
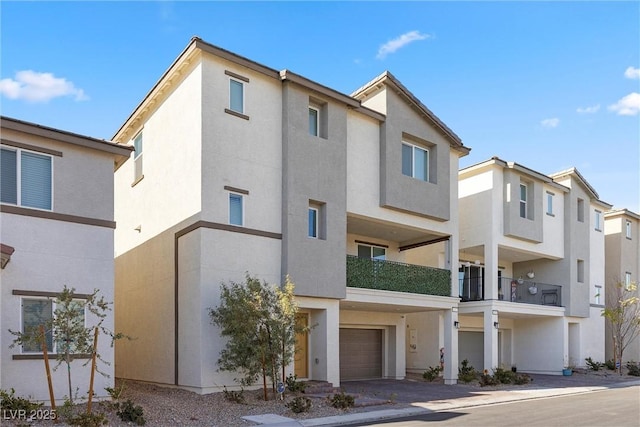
(301, 359)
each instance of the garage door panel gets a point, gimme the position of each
(360, 354)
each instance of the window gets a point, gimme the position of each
(628, 229)
(236, 96)
(627, 280)
(236, 209)
(314, 121)
(580, 268)
(313, 222)
(137, 145)
(598, 296)
(549, 203)
(415, 161)
(523, 200)
(26, 178)
(40, 311)
(598, 220)
(580, 210)
(373, 252)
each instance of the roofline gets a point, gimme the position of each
(385, 77)
(574, 171)
(120, 150)
(495, 160)
(622, 211)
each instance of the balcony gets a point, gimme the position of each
(396, 276)
(514, 290)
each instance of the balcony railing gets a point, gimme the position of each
(529, 292)
(397, 276)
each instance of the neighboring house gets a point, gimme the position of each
(531, 270)
(622, 264)
(57, 229)
(242, 168)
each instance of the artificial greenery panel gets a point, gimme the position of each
(396, 276)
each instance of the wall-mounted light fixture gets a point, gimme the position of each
(454, 309)
(496, 325)
(456, 324)
(494, 312)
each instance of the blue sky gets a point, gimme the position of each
(550, 85)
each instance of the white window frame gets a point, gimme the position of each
(242, 85)
(415, 147)
(316, 224)
(53, 350)
(523, 204)
(138, 158)
(371, 250)
(598, 220)
(580, 209)
(598, 295)
(580, 271)
(317, 110)
(627, 229)
(550, 203)
(627, 279)
(19, 152)
(242, 208)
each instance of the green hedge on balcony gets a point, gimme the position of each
(396, 276)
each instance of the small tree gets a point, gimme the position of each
(69, 331)
(259, 321)
(623, 314)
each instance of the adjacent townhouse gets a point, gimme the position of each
(240, 168)
(57, 229)
(531, 268)
(622, 265)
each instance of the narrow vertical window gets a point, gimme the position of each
(598, 220)
(9, 171)
(313, 223)
(628, 229)
(314, 121)
(236, 96)
(523, 201)
(627, 280)
(580, 268)
(580, 210)
(235, 209)
(598, 296)
(549, 203)
(137, 145)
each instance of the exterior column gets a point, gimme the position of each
(451, 258)
(491, 272)
(332, 360)
(450, 346)
(490, 339)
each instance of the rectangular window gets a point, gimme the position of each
(40, 311)
(314, 121)
(627, 279)
(415, 161)
(580, 210)
(580, 268)
(313, 222)
(628, 229)
(598, 296)
(137, 157)
(598, 220)
(236, 209)
(523, 200)
(373, 252)
(549, 203)
(236, 96)
(26, 179)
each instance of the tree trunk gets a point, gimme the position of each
(264, 378)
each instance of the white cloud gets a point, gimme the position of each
(39, 87)
(392, 45)
(632, 73)
(588, 110)
(627, 106)
(550, 123)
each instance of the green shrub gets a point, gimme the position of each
(595, 366)
(342, 400)
(503, 376)
(9, 402)
(234, 396)
(293, 385)
(522, 379)
(610, 364)
(432, 373)
(299, 404)
(94, 419)
(487, 380)
(129, 412)
(633, 368)
(467, 373)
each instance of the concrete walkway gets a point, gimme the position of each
(415, 397)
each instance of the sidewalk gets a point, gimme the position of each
(414, 397)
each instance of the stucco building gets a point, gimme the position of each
(56, 218)
(243, 168)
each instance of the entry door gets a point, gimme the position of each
(301, 359)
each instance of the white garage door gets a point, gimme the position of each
(360, 354)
